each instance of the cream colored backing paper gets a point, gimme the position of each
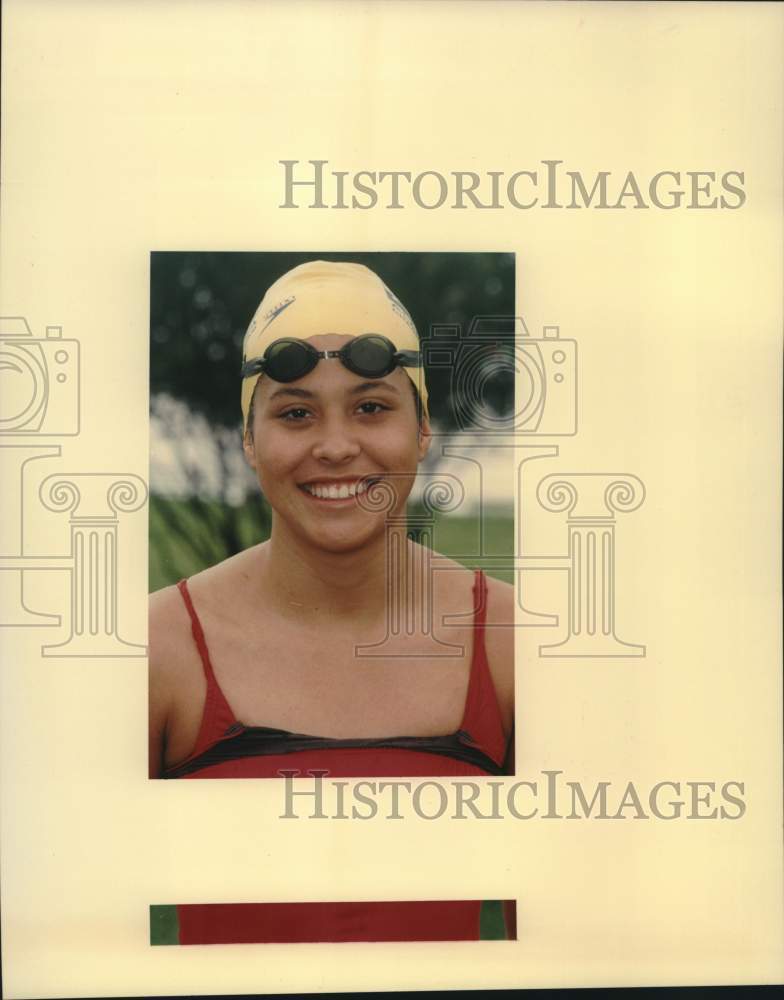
(132, 127)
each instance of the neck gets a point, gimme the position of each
(315, 586)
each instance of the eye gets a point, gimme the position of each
(295, 414)
(371, 407)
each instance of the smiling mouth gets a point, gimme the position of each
(339, 491)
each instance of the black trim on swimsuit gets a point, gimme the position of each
(260, 741)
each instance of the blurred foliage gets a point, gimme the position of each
(188, 535)
(202, 303)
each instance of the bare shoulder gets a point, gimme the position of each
(219, 588)
(171, 648)
(214, 592)
(168, 621)
(500, 643)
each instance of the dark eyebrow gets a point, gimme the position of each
(290, 390)
(372, 386)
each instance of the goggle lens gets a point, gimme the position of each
(372, 356)
(287, 360)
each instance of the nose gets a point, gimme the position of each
(336, 443)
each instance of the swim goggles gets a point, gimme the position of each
(370, 355)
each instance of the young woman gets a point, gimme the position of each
(260, 664)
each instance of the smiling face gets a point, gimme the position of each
(316, 445)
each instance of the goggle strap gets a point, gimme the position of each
(253, 367)
(408, 359)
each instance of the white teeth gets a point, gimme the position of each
(332, 491)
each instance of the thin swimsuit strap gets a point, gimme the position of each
(481, 714)
(217, 718)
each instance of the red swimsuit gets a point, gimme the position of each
(225, 748)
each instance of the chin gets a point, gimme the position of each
(345, 538)
(337, 543)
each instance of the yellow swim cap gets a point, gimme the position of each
(321, 297)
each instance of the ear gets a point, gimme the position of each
(425, 438)
(249, 449)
